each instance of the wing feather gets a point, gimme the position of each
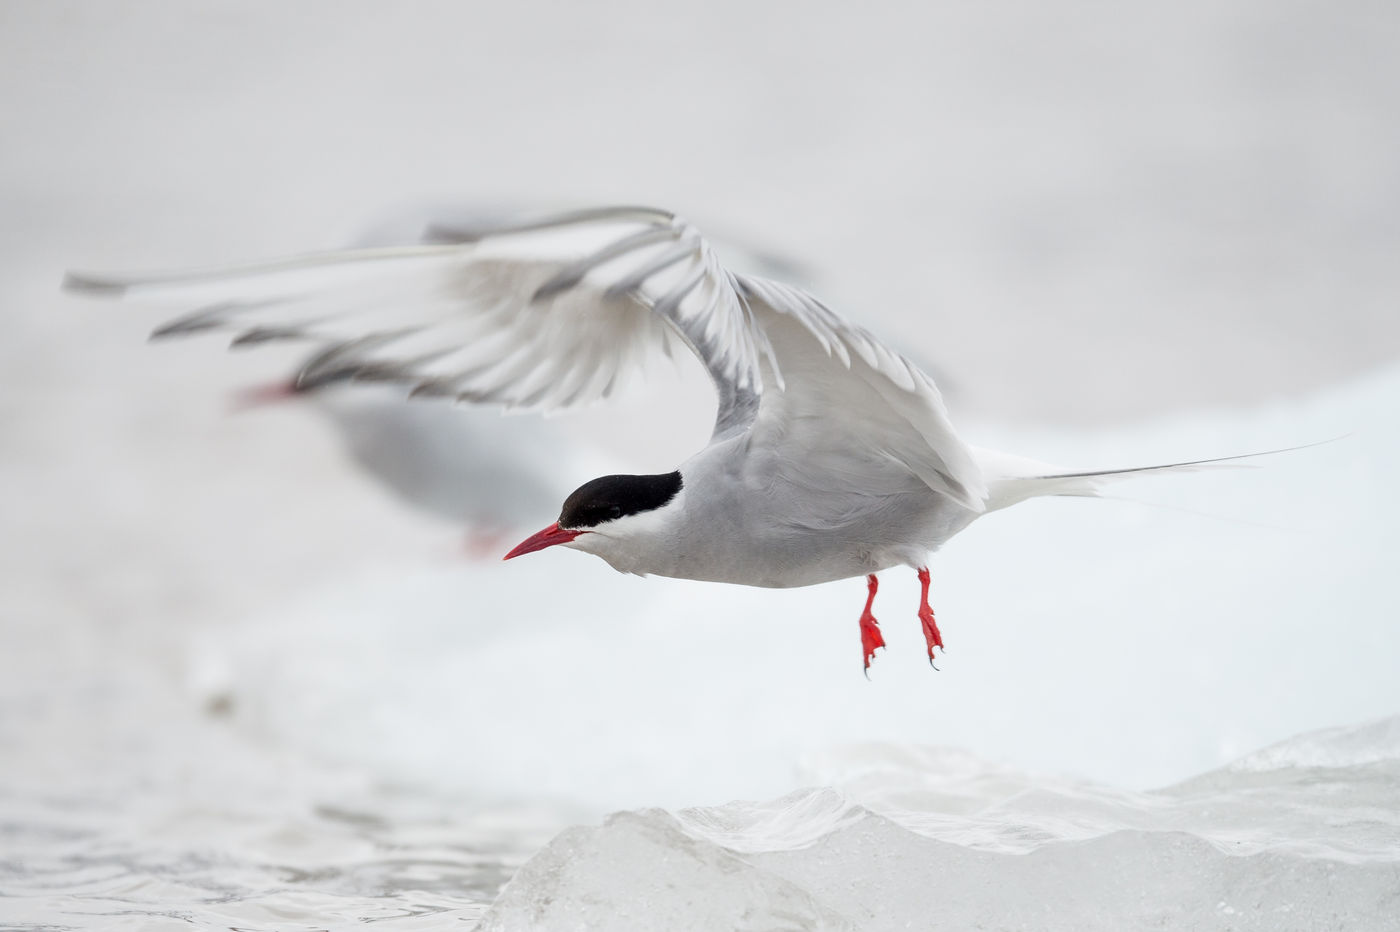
(846, 391)
(542, 314)
(553, 312)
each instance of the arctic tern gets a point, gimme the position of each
(832, 455)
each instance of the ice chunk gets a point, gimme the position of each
(641, 870)
(887, 877)
(794, 821)
(1329, 747)
(932, 838)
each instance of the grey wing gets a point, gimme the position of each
(541, 314)
(850, 413)
(553, 312)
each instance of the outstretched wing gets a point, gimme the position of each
(551, 313)
(540, 315)
(853, 416)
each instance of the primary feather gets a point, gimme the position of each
(554, 312)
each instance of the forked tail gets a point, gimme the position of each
(1012, 479)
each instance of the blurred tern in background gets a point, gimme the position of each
(832, 456)
(465, 464)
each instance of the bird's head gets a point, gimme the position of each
(611, 515)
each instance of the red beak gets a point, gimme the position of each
(258, 395)
(554, 534)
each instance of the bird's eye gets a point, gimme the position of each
(615, 511)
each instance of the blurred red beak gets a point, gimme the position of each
(256, 396)
(554, 534)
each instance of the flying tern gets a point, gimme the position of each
(832, 455)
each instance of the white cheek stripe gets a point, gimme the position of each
(622, 535)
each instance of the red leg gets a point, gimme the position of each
(931, 632)
(870, 637)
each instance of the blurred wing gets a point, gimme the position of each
(544, 314)
(846, 396)
(550, 313)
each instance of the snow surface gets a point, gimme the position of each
(1129, 644)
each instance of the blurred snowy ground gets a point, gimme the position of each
(1132, 644)
(1119, 235)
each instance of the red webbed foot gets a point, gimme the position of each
(870, 636)
(932, 636)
